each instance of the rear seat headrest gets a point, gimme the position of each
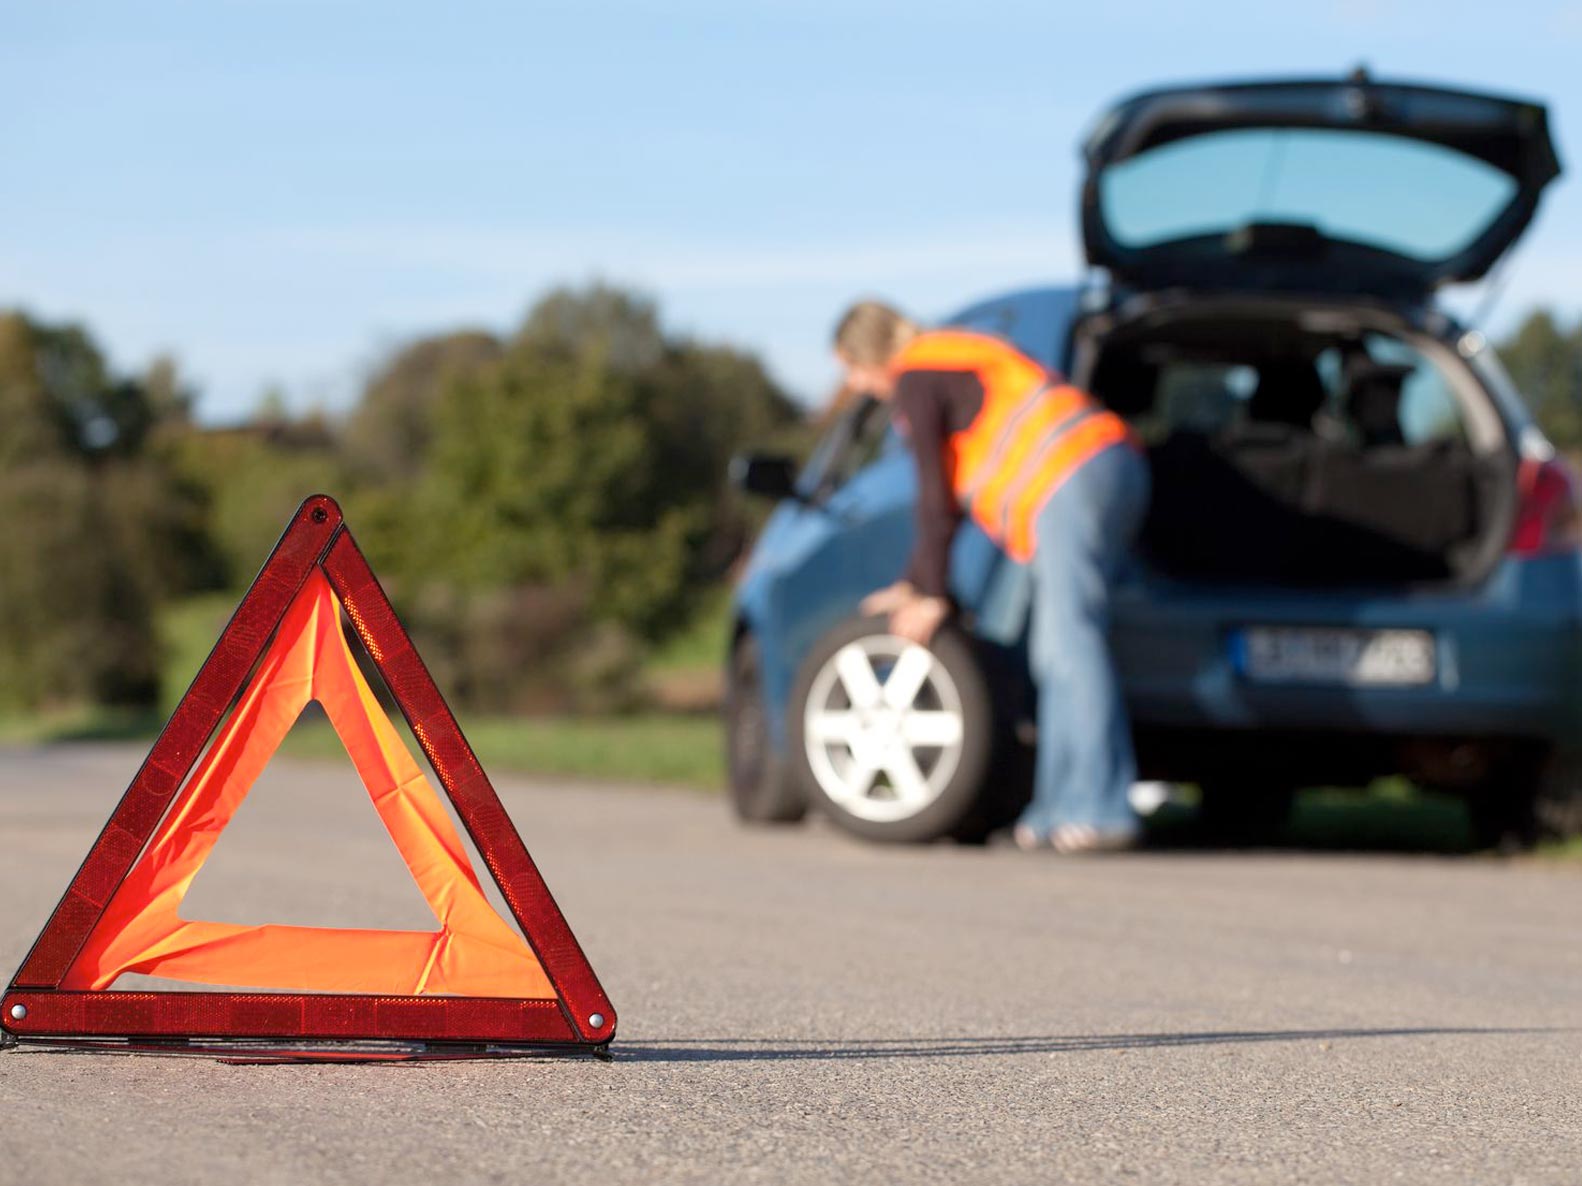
(1289, 391)
(1373, 400)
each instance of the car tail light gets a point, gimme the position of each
(1549, 518)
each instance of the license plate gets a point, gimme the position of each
(1329, 655)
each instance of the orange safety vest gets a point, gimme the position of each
(1033, 432)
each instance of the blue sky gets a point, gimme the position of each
(277, 193)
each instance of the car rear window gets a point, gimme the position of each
(1410, 198)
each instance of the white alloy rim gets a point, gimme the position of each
(883, 728)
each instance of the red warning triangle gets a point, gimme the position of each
(472, 981)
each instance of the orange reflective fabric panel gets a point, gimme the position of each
(1071, 449)
(1027, 440)
(1004, 372)
(475, 952)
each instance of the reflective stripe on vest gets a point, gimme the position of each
(1065, 455)
(1028, 437)
(1029, 434)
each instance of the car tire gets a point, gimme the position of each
(1557, 798)
(762, 788)
(902, 763)
(1533, 797)
(1501, 818)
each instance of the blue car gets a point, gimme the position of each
(1362, 557)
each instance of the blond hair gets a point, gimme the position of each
(871, 333)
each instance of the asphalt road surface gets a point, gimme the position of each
(797, 1007)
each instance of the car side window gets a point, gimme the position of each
(872, 436)
(858, 437)
(1427, 409)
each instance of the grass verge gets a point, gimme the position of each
(647, 747)
(675, 748)
(661, 747)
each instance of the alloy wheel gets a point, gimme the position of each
(883, 728)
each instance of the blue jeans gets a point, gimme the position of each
(1085, 763)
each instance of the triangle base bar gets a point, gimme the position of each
(264, 1052)
(49, 1016)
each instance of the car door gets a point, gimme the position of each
(851, 531)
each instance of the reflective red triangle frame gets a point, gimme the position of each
(36, 1009)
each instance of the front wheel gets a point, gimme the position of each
(894, 741)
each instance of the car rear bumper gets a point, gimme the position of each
(1296, 757)
(1509, 658)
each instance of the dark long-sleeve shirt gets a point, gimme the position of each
(932, 405)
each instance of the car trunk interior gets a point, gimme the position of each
(1298, 446)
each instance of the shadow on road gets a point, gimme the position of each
(769, 1050)
(1392, 818)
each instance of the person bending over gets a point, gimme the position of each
(1060, 484)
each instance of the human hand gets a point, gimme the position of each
(918, 619)
(887, 600)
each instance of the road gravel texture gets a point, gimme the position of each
(797, 1007)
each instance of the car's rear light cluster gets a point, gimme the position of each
(1549, 518)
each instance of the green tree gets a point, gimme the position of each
(33, 367)
(1545, 360)
(618, 327)
(550, 501)
(551, 470)
(554, 502)
(90, 512)
(388, 433)
(592, 455)
(251, 478)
